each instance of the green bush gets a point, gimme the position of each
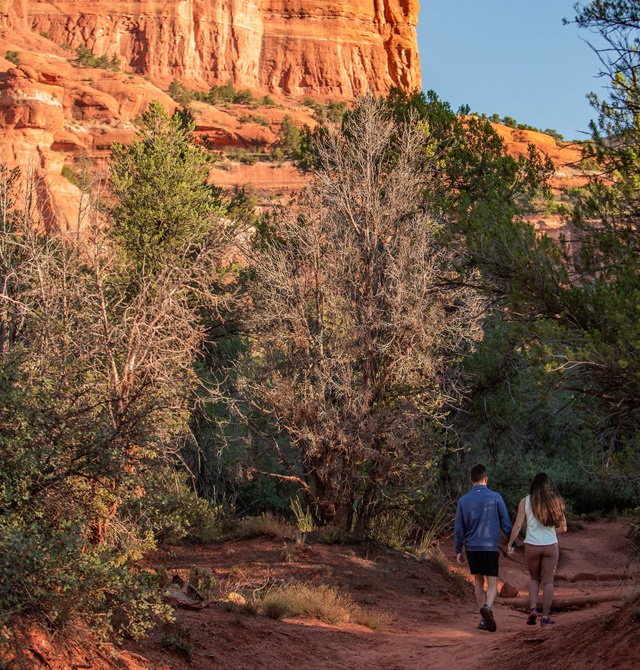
(13, 57)
(86, 58)
(244, 97)
(180, 93)
(266, 101)
(225, 93)
(290, 136)
(250, 118)
(242, 155)
(172, 512)
(49, 569)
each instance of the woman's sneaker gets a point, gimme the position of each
(533, 616)
(546, 621)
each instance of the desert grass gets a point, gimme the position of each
(372, 619)
(267, 525)
(325, 603)
(436, 558)
(304, 519)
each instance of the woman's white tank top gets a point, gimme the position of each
(537, 534)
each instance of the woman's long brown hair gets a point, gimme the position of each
(546, 503)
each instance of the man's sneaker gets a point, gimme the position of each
(481, 625)
(546, 621)
(487, 617)
(533, 615)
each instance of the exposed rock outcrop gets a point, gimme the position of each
(295, 47)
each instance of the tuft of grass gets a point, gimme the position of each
(372, 619)
(304, 519)
(333, 535)
(322, 602)
(267, 525)
(275, 605)
(574, 526)
(440, 563)
(325, 603)
(179, 643)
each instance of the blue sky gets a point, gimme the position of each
(510, 57)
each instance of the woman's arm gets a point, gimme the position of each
(516, 526)
(562, 528)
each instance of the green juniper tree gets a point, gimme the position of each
(99, 340)
(161, 182)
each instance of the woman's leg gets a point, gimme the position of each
(532, 555)
(549, 561)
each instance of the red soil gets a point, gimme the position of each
(432, 617)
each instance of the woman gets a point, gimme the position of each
(543, 510)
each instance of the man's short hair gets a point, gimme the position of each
(478, 473)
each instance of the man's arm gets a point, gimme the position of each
(505, 520)
(459, 532)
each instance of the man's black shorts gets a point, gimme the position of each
(483, 563)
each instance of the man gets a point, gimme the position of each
(479, 517)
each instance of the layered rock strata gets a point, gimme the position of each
(294, 47)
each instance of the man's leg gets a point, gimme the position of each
(479, 590)
(492, 590)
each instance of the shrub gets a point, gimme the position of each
(277, 155)
(371, 619)
(86, 58)
(558, 137)
(267, 525)
(290, 136)
(180, 93)
(13, 57)
(173, 512)
(275, 606)
(50, 569)
(242, 155)
(266, 101)
(250, 118)
(224, 93)
(336, 110)
(244, 97)
(179, 643)
(333, 535)
(325, 603)
(69, 174)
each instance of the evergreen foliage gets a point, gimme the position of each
(161, 182)
(86, 58)
(98, 339)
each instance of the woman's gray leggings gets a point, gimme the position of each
(541, 562)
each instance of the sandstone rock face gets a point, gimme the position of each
(297, 47)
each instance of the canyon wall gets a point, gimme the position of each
(294, 47)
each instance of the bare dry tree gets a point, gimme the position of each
(102, 353)
(360, 319)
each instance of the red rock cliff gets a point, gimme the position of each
(322, 47)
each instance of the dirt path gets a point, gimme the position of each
(433, 620)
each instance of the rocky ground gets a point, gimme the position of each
(431, 619)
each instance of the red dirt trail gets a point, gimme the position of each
(432, 618)
(433, 622)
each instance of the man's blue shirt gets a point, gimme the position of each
(480, 516)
